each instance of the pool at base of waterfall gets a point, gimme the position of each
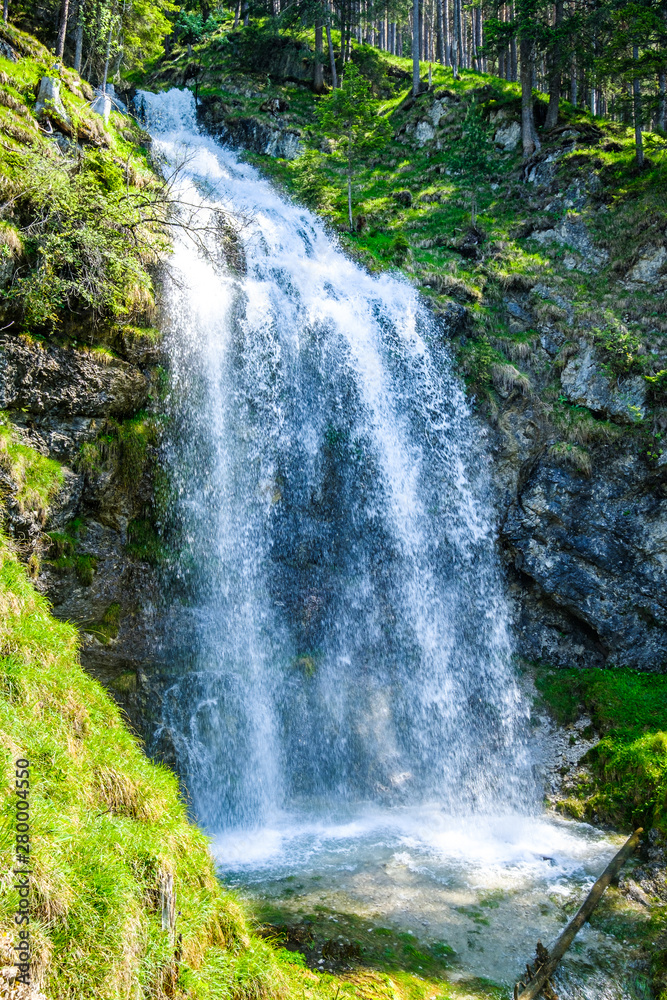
(451, 898)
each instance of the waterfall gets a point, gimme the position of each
(333, 521)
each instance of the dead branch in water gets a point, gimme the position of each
(546, 960)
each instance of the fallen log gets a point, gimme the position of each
(547, 959)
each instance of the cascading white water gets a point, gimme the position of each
(335, 522)
(343, 705)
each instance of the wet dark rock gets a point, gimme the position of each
(589, 560)
(454, 319)
(268, 138)
(53, 382)
(59, 399)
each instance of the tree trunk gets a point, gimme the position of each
(548, 959)
(440, 38)
(662, 105)
(78, 51)
(637, 112)
(415, 48)
(62, 31)
(456, 31)
(5, 11)
(445, 26)
(527, 120)
(237, 13)
(332, 58)
(349, 182)
(246, 13)
(106, 60)
(555, 69)
(318, 67)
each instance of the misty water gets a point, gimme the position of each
(344, 712)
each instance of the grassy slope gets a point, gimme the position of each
(76, 232)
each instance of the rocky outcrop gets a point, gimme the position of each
(52, 383)
(62, 401)
(588, 557)
(508, 136)
(267, 138)
(268, 135)
(572, 233)
(586, 384)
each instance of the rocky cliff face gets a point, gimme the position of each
(80, 406)
(585, 550)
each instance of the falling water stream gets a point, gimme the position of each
(344, 711)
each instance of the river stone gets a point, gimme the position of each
(508, 136)
(585, 384)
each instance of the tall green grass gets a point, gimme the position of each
(107, 825)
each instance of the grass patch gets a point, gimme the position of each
(38, 478)
(628, 765)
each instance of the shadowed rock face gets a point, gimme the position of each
(589, 560)
(60, 399)
(266, 135)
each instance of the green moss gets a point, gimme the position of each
(38, 478)
(84, 567)
(64, 556)
(121, 446)
(629, 764)
(125, 683)
(107, 627)
(144, 542)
